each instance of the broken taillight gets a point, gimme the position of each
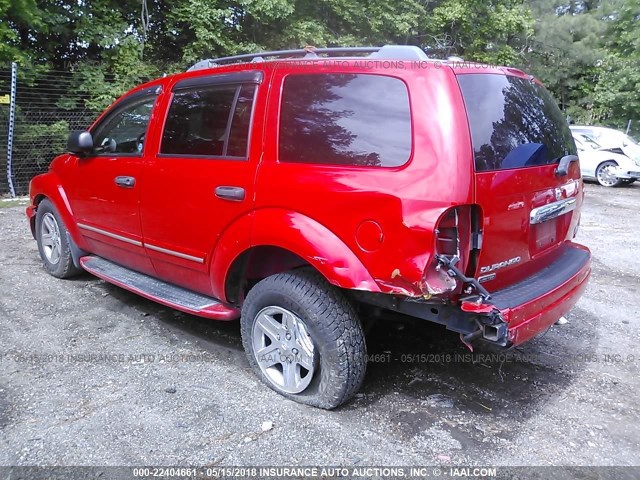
(447, 236)
(457, 234)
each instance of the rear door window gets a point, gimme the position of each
(209, 121)
(514, 122)
(345, 119)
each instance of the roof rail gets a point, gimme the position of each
(395, 52)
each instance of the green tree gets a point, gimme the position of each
(566, 53)
(585, 51)
(485, 31)
(617, 92)
(18, 17)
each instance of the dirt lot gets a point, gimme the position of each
(167, 388)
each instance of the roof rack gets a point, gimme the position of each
(391, 52)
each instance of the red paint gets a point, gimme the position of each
(476, 307)
(529, 319)
(362, 228)
(369, 235)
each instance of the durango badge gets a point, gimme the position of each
(499, 265)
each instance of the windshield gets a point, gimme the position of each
(586, 141)
(514, 122)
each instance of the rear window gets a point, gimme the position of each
(345, 119)
(514, 122)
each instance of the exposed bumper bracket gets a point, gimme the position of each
(453, 271)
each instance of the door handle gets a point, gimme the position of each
(235, 194)
(126, 182)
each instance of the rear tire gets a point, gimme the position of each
(303, 339)
(604, 174)
(53, 245)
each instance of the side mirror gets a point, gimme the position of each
(80, 142)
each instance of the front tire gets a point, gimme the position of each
(303, 339)
(53, 244)
(605, 175)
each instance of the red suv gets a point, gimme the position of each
(301, 191)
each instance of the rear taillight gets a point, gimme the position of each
(457, 234)
(454, 234)
(447, 236)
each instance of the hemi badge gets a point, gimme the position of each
(486, 278)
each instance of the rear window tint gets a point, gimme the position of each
(514, 122)
(345, 119)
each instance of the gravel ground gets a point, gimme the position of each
(173, 389)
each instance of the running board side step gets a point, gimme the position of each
(158, 290)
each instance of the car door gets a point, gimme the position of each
(106, 194)
(201, 179)
(587, 162)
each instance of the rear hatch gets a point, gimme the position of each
(519, 135)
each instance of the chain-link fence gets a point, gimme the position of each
(5, 92)
(47, 106)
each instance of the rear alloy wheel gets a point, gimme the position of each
(53, 244)
(303, 339)
(605, 174)
(283, 349)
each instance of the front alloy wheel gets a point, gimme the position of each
(53, 243)
(50, 238)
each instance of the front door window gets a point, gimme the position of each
(124, 130)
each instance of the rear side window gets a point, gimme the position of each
(209, 121)
(514, 122)
(345, 119)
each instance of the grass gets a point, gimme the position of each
(13, 202)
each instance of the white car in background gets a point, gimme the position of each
(610, 138)
(609, 166)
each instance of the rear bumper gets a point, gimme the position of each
(512, 315)
(537, 302)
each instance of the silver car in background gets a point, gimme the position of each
(610, 165)
(611, 138)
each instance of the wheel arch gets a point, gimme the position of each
(32, 219)
(605, 161)
(281, 240)
(48, 187)
(254, 264)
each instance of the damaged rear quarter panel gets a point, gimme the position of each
(405, 202)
